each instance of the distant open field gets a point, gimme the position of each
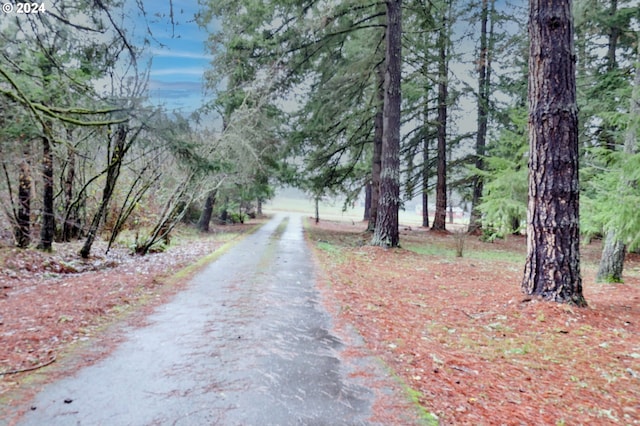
(328, 210)
(290, 201)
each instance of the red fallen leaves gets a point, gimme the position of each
(55, 299)
(458, 330)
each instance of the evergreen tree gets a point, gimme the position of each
(387, 233)
(614, 249)
(552, 268)
(444, 40)
(487, 19)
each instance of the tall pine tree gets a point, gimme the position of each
(552, 268)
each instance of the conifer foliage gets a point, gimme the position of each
(418, 104)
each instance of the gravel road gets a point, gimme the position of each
(246, 343)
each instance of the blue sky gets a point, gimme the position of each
(178, 55)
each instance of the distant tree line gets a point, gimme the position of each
(336, 98)
(347, 72)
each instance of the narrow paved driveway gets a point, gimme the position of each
(247, 343)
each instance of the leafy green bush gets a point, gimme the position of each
(237, 217)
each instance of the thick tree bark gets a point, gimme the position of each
(48, 228)
(552, 268)
(440, 217)
(376, 163)
(207, 212)
(387, 232)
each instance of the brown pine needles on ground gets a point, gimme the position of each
(470, 345)
(457, 331)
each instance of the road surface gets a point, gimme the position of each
(246, 343)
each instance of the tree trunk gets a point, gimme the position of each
(48, 228)
(552, 268)
(386, 232)
(440, 217)
(207, 212)
(425, 200)
(70, 227)
(376, 163)
(317, 205)
(48, 225)
(450, 194)
(425, 167)
(612, 259)
(367, 201)
(23, 226)
(113, 171)
(614, 35)
(608, 130)
(515, 225)
(475, 223)
(173, 212)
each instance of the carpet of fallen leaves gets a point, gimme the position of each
(51, 301)
(470, 347)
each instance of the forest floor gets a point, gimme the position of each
(53, 302)
(471, 348)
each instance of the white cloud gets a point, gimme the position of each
(178, 71)
(182, 54)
